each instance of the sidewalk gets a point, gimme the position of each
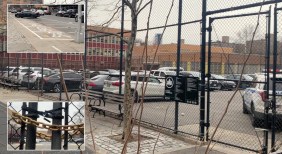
(105, 130)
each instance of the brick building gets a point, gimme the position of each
(102, 52)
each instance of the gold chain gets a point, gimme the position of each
(18, 118)
(48, 137)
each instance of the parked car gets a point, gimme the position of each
(71, 13)
(254, 99)
(82, 17)
(170, 69)
(27, 13)
(35, 77)
(47, 12)
(245, 83)
(214, 85)
(97, 82)
(219, 82)
(52, 82)
(155, 88)
(4, 74)
(60, 13)
(160, 74)
(17, 75)
(40, 12)
(14, 11)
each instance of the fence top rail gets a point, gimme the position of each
(243, 7)
(240, 15)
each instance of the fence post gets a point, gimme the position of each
(56, 140)
(203, 76)
(121, 44)
(178, 64)
(273, 122)
(207, 124)
(31, 129)
(22, 128)
(66, 134)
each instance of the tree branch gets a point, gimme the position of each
(138, 11)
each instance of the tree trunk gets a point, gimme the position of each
(128, 101)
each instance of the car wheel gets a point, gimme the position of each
(255, 121)
(57, 88)
(245, 111)
(135, 96)
(220, 87)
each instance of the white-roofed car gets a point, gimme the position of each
(254, 99)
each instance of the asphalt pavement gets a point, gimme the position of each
(45, 34)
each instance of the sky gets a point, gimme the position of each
(100, 11)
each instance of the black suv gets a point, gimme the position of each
(70, 13)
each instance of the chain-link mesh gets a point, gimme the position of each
(74, 118)
(238, 128)
(13, 130)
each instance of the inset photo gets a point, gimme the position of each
(45, 28)
(45, 126)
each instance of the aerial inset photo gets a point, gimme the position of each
(45, 28)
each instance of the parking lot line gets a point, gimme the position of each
(29, 29)
(57, 49)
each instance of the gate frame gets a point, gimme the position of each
(267, 52)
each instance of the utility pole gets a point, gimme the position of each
(79, 35)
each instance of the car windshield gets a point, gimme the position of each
(99, 77)
(218, 76)
(10, 69)
(248, 78)
(51, 74)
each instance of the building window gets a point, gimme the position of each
(106, 39)
(113, 39)
(98, 51)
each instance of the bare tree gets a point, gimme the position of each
(135, 7)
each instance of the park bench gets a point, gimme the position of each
(92, 96)
(107, 102)
(113, 103)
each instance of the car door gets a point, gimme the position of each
(67, 79)
(155, 88)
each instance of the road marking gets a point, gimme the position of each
(57, 49)
(58, 39)
(29, 30)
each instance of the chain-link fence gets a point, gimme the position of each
(232, 47)
(45, 125)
